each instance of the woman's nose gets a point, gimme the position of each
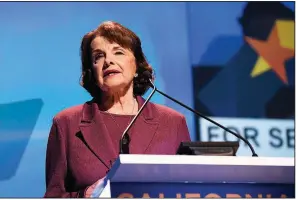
(109, 59)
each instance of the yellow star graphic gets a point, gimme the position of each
(274, 52)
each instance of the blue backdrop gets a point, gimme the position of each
(40, 67)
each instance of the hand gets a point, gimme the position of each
(95, 188)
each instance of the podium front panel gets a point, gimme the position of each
(201, 190)
(168, 176)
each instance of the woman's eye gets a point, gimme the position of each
(97, 56)
(119, 53)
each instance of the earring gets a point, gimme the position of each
(136, 75)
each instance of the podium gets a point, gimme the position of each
(186, 176)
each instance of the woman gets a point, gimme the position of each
(84, 140)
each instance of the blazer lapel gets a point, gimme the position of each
(144, 129)
(96, 135)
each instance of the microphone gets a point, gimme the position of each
(148, 75)
(124, 141)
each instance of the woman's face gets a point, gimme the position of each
(114, 67)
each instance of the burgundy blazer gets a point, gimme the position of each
(79, 149)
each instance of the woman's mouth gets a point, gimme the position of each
(109, 73)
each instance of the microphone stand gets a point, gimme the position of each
(124, 141)
(208, 119)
